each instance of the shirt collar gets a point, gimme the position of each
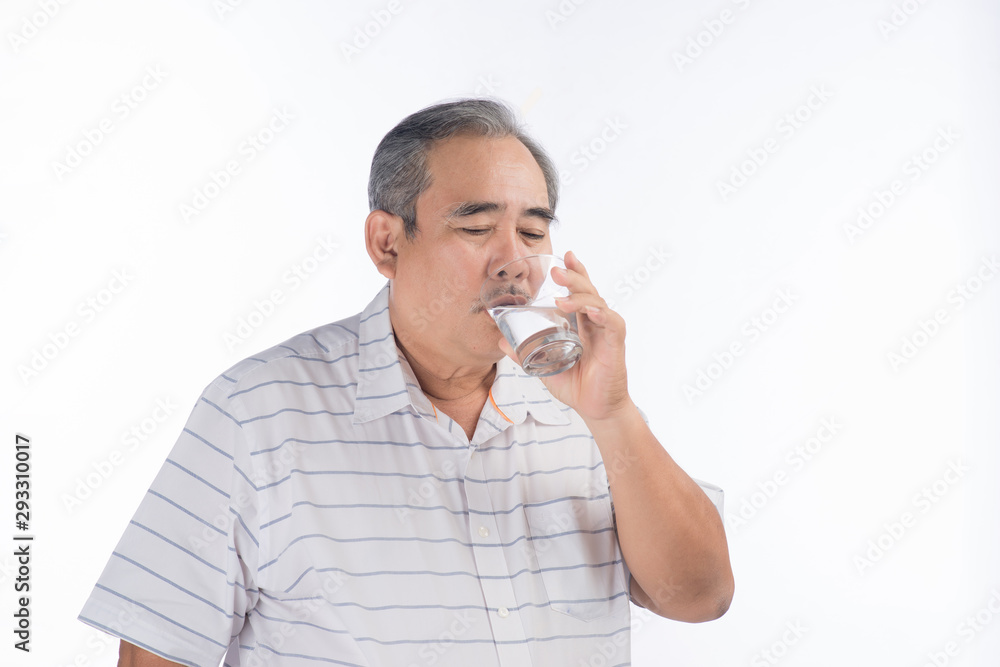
(386, 383)
(515, 394)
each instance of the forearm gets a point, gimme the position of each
(670, 533)
(133, 656)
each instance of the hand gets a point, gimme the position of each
(596, 386)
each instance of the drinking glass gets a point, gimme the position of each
(520, 296)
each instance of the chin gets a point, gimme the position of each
(489, 341)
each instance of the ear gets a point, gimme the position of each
(383, 233)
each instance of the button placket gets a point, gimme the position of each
(492, 567)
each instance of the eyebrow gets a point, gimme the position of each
(474, 207)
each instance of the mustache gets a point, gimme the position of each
(506, 291)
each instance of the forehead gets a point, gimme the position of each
(485, 166)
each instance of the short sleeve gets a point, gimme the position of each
(182, 578)
(714, 493)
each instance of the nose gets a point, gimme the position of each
(507, 247)
(517, 272)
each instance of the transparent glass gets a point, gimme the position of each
(520, 296)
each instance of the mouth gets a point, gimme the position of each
(508, 300)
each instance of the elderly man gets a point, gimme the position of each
(392, 489)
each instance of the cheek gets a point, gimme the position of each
(459, 279)
(442, 293)
(447, 282)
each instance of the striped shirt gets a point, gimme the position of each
(318, 509)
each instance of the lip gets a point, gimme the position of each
(509, 300)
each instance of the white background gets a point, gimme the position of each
(819, 544)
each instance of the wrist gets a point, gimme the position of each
(615, 420)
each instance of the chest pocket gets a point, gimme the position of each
(577, 551)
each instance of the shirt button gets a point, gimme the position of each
(484, 531)
(503, 612)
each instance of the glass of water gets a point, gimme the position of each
(520, 296)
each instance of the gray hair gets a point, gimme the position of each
(399, 168)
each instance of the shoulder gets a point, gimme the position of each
(330, 346)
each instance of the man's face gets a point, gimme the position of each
(487, 205)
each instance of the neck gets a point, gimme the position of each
(448, 384)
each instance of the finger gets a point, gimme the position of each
(596, 315)
(578, 301)
(575, 281)
(573, 263)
